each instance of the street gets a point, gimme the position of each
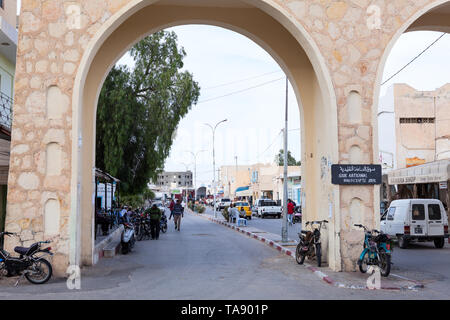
(203, 261)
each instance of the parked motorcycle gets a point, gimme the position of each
(297, 218)
(376, 252)
(31, 263)
(310, 244)
(128, 238)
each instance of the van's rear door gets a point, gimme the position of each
(435, 220)
(418, 219)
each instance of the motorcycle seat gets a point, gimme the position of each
(21, 250)
(26, 251)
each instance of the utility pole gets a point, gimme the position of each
(284, 229)
(214, 164)
(235, 193)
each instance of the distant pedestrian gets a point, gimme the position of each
(172, 204)
(155, 218)
(177, 213)
(291, 209)
(233, 213)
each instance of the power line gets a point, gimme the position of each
(238, 81)
(240, 91)
(426, 49)
(274, 140)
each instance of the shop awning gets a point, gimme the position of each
(432, 172)
(243, 191)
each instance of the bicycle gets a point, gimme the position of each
(310, 244)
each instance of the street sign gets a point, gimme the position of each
(443, 185)
(355, 174)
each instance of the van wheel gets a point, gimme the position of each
(439, 243)
(402, 242)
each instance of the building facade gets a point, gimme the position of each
(421, 126)
(175, 180)
(263, 180)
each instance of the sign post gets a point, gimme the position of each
(356, 174)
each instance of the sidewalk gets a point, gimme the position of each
(348, 280)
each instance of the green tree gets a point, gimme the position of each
(279, 158)
(139, 110)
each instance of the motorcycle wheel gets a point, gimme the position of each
(164, 228)
(384, 262)
(41, 272)
(363, 263)
(319, 254)
(299, 255)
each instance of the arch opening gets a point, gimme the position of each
(267, 27)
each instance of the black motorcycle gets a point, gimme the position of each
(310, 245)
(31, 263)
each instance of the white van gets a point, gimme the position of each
(416, 220)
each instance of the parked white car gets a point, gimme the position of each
(224, 202)
(416, 220)
(266, 207)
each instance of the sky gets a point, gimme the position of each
(255, 116)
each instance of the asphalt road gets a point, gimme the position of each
(203, 261)
(421, 261)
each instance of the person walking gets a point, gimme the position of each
(177, 213)
(155, 218)
(233, 213)
(291, 209)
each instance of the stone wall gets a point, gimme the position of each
(352, 37)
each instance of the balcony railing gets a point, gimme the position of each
(6, 104)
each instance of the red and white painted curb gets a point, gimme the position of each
(314, 270)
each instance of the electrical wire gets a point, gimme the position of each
(238, 81)
(426, 49)
(240, 91)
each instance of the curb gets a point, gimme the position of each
(314, 270)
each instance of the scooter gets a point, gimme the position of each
(297, 218)
(128, 238)
(163, 223)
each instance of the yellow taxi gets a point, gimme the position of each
(244, 209)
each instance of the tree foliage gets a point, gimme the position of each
(139, 110)
(279, 158)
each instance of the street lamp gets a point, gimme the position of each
(195, 170)
(214, 162)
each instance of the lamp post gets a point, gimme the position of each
(195, 170)
(214, 162)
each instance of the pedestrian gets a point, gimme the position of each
(177, 213)
(233, 213)
(172, 204)
(291, 209)
(155, 218)
(122, 214)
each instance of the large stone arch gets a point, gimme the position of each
(315, 97)
(330, 43)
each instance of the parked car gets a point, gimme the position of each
(267, 207)
(224, 202)
(244, 209)
(416, 220)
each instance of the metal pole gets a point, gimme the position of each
(214, 164)
(284, 231)
(237, 186)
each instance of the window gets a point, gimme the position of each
(434, 212)
(418, 212)
(391, 213)
(417, 120)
